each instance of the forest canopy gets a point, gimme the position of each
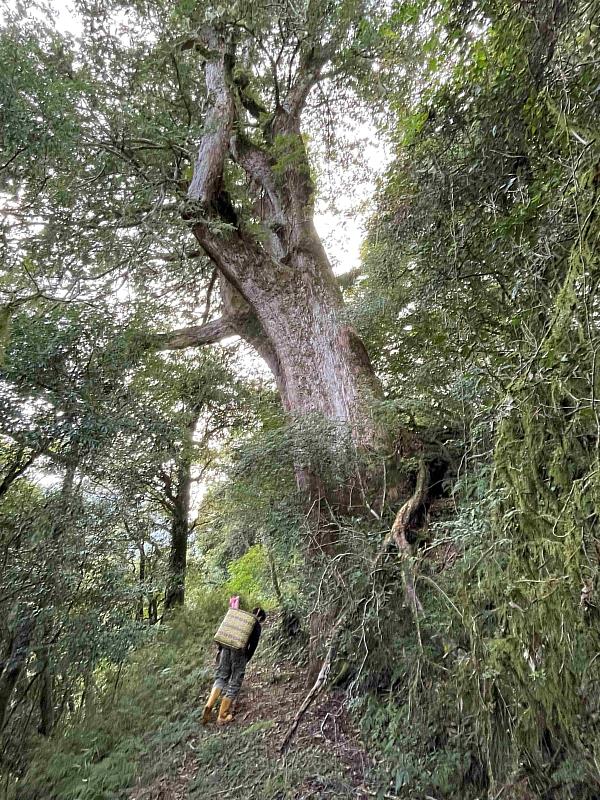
(201, 397)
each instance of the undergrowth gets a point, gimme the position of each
(144, 716)
(140, 714)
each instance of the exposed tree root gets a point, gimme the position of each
(399, 530)
(402, 522)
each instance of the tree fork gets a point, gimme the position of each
(293, 312)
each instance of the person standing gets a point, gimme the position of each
(231, 668)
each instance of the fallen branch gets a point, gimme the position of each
(318, 685)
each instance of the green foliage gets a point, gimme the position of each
(145, 714)
(479, 304)
(139, 712)
(288, 151)
(255, 513)
(249, 573)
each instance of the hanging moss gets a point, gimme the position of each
(536, 664)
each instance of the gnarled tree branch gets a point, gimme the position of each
(195, 335)
(404, 517)
(214, 146)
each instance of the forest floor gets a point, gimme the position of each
(144, 738)
(326, 758)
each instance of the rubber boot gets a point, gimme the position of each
(210, 704)
(224, 715)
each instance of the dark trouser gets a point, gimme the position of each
(230, 672)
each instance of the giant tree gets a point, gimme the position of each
(193, 120)
(278, 288)
(158, 126)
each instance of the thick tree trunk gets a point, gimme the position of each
(323, 366)
(294, 316)
(278, 289)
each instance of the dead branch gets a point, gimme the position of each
(318, 685)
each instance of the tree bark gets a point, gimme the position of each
(180, 524)
(175, 591)
(278, 289)
(14, 664)
(142, 577)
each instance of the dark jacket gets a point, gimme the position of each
(253, 640)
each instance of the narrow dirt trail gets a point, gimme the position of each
(276, 695)
(241, 760)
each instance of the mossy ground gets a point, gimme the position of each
(146, 741)
(242, 761)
